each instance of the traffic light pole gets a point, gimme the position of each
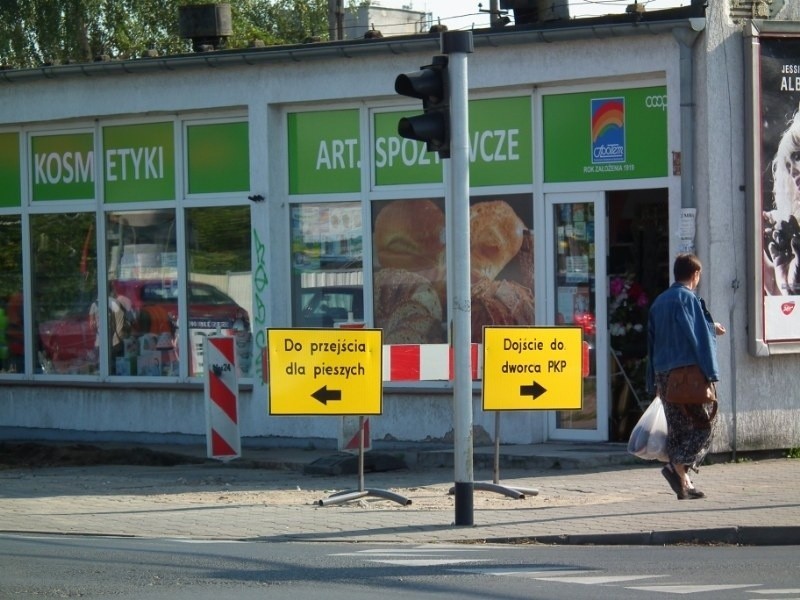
(457, 44)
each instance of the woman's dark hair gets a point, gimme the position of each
(685, 266)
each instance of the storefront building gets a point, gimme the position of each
(147, 204)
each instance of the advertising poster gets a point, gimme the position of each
(780, 186)
(409, 260)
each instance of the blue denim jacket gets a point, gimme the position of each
(680, 332)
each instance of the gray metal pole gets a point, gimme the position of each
(457, 44)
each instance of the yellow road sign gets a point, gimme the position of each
(532, 368)
(325, 371)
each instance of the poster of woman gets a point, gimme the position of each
(780, 183)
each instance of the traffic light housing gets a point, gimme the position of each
(431, 85)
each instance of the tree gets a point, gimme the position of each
(37, 32)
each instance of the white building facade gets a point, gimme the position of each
(272, 185)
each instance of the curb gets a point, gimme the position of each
(730, 536)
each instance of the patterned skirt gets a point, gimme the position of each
(686, 444)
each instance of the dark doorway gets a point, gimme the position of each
(638, 270)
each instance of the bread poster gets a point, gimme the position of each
(410, 272)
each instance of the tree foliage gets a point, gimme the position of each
(37, 32)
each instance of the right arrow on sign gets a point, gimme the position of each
(534, 390)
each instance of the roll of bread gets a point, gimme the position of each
(407, 308)
(410, 235)
(499, 302)
(496, 234)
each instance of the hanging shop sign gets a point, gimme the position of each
(603, 135)
(62, 166)
(139, 162)
(324, 152)
(10, 185)
(500, 141)
(218, 158)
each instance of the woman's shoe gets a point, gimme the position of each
(695, 494)
(674, 481)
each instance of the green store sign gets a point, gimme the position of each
(610, 134)
(500, 147)
(62, 167)
(139, 162)
(324, 152)
(10, 184)
(218, 158)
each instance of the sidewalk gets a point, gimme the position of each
(586, 494)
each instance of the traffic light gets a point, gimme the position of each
(430, 84)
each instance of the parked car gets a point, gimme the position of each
(326, 306)
(150, 306)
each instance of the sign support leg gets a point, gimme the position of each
(347, 495)
(516, 492)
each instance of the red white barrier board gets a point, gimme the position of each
(222, 398)
(424, 362)
(350, 432)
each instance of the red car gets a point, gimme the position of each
(150, 306)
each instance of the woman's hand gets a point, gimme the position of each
(719, 328)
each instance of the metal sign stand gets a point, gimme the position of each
(347, 495)
(516, 492)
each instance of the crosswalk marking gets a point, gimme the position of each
(421, 556)
(524, 572)
(426, 562)
(598, 579)
(691, 589)
(440, 555)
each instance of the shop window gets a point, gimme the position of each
(327, 264)
(409, 289)
(220, 281)
(143, 293)
(12, 342)
(65, 293)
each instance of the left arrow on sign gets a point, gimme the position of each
(534, 390)
(325, 395)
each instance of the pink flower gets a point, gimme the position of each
(617, 286)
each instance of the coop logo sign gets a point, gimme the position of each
(608, 130)
(659, 101)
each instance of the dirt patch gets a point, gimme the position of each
(15, 455)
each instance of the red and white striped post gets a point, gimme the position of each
(222, 398)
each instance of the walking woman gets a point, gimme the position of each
(680, 333)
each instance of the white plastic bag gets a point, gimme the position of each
(649, 437)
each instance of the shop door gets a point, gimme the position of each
(576, 295)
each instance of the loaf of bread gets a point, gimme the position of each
(496, 234)
(499, 302)
(407, 308)
(410, 235)
(520, 268)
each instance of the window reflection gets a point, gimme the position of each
(327, 268)
(142, 305)
(575, 297)
(12, 342)
(220, 281)
(64, 291)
